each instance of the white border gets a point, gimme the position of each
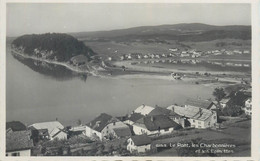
(255, 143)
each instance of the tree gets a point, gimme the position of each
(219, 93)
(232, 110)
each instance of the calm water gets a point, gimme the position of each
(38, 91)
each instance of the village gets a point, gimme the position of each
(191, 56)
(146, 131)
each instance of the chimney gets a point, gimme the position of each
(200, 110)
(143, 105)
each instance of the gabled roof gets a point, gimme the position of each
(122, 132)
(100, 122)
(53, 127)
(159, 111)
(199, 103)
(135, 116)
(155, 122)
(18, 140)
(15, 126)
(193, 112)
(144, 109)
(140, 140)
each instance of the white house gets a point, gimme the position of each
(173, 49)
(197, 116)
(154, 125)
(106, 127)
(18, 143)
(143, 109)
(115, 129)
(54, 129)
(248, 107)
(139, 144)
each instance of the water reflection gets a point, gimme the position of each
(54, 71)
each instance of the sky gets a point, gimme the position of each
(35, 18)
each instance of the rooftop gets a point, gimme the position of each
(53, 127)
(159, 111)
(193, 112)
(15, 126)
(18, 140)
(135, 116)
(144, 109)
(199, 103)
(140, 140)
(100, 122)
(122, 132)
(155, 122)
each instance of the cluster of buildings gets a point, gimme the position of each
(138, 128)
(175, 52)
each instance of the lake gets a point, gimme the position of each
(37, 91)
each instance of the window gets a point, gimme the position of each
(166, 129)
(114, 123)
(199, 122)
(199, 126)
(16, 154)
(6, 154)
(215, 117)
(193, 120)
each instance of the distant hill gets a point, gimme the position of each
(180, 32)
(57, 45)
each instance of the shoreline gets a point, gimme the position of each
(74, 69)
(138, 72)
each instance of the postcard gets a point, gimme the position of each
(130, 80)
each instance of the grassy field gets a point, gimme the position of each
(118, 48)
(238, 134)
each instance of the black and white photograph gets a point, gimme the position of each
(128, 80)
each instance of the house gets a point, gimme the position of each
(104, 127)
(79, 60)
(181, 120)
(197, 116)
(115, 129)
(154, 125)
(196, 55)
(139, 144)
(184, 55)
(246, 52)
(223, 102)
(173, 49)
(122, 57)
(248, 107)
(48, 130)
(143, 109)
(200, 103)
(146, 56)
(18, 143)
(15, 126)
(94, 128)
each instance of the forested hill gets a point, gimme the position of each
(55, 45)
